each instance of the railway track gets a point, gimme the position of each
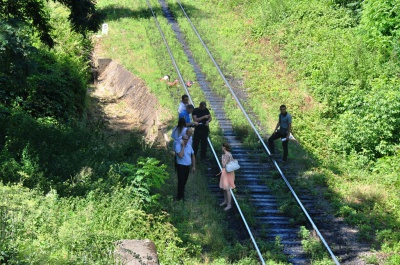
(269, 224)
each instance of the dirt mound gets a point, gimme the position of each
(125, 103)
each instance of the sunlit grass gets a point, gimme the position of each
(199, 222)
(270, 79)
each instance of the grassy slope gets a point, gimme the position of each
(269, 74)
(270, 81)
(199, 222)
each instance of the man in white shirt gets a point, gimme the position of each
(184, 159)
(183, 103)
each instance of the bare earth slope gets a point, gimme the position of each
(122, 102)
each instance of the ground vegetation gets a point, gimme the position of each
(335, 64)
(75, 177)
(70, 190)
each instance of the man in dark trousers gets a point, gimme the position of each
(184, 159)
(202, 116)
(282, 130)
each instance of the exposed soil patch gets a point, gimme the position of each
(124, 104)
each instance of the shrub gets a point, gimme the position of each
(380, 20)
(54, 230)
(370, 124)
(313, 246)
(147, 174)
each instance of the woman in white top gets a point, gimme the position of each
(179, 130)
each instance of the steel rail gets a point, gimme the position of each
(169, 51)
(260, 138)
(208, 139)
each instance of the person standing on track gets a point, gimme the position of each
(179, 130)
(186, 115)
(182, 105)
(282, 130)
(203, 117)
(184, 159)
(189, 133)
(227, 179)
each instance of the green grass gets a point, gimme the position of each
(54, 230)
(76, 220)
(322, 63)
(199, 221)
(285, 58)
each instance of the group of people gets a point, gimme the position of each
(186, 147)
(200, 120)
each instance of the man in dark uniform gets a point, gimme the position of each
(202, 116)
(285, 126)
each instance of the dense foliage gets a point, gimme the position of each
(342, 61)
(84, 193)
(69, 191)
(42, 82)
(56, 230)
(83, 16)
(350, 67)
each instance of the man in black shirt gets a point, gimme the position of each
(203, 117)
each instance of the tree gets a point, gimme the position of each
(33, 78)
(83, 17)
